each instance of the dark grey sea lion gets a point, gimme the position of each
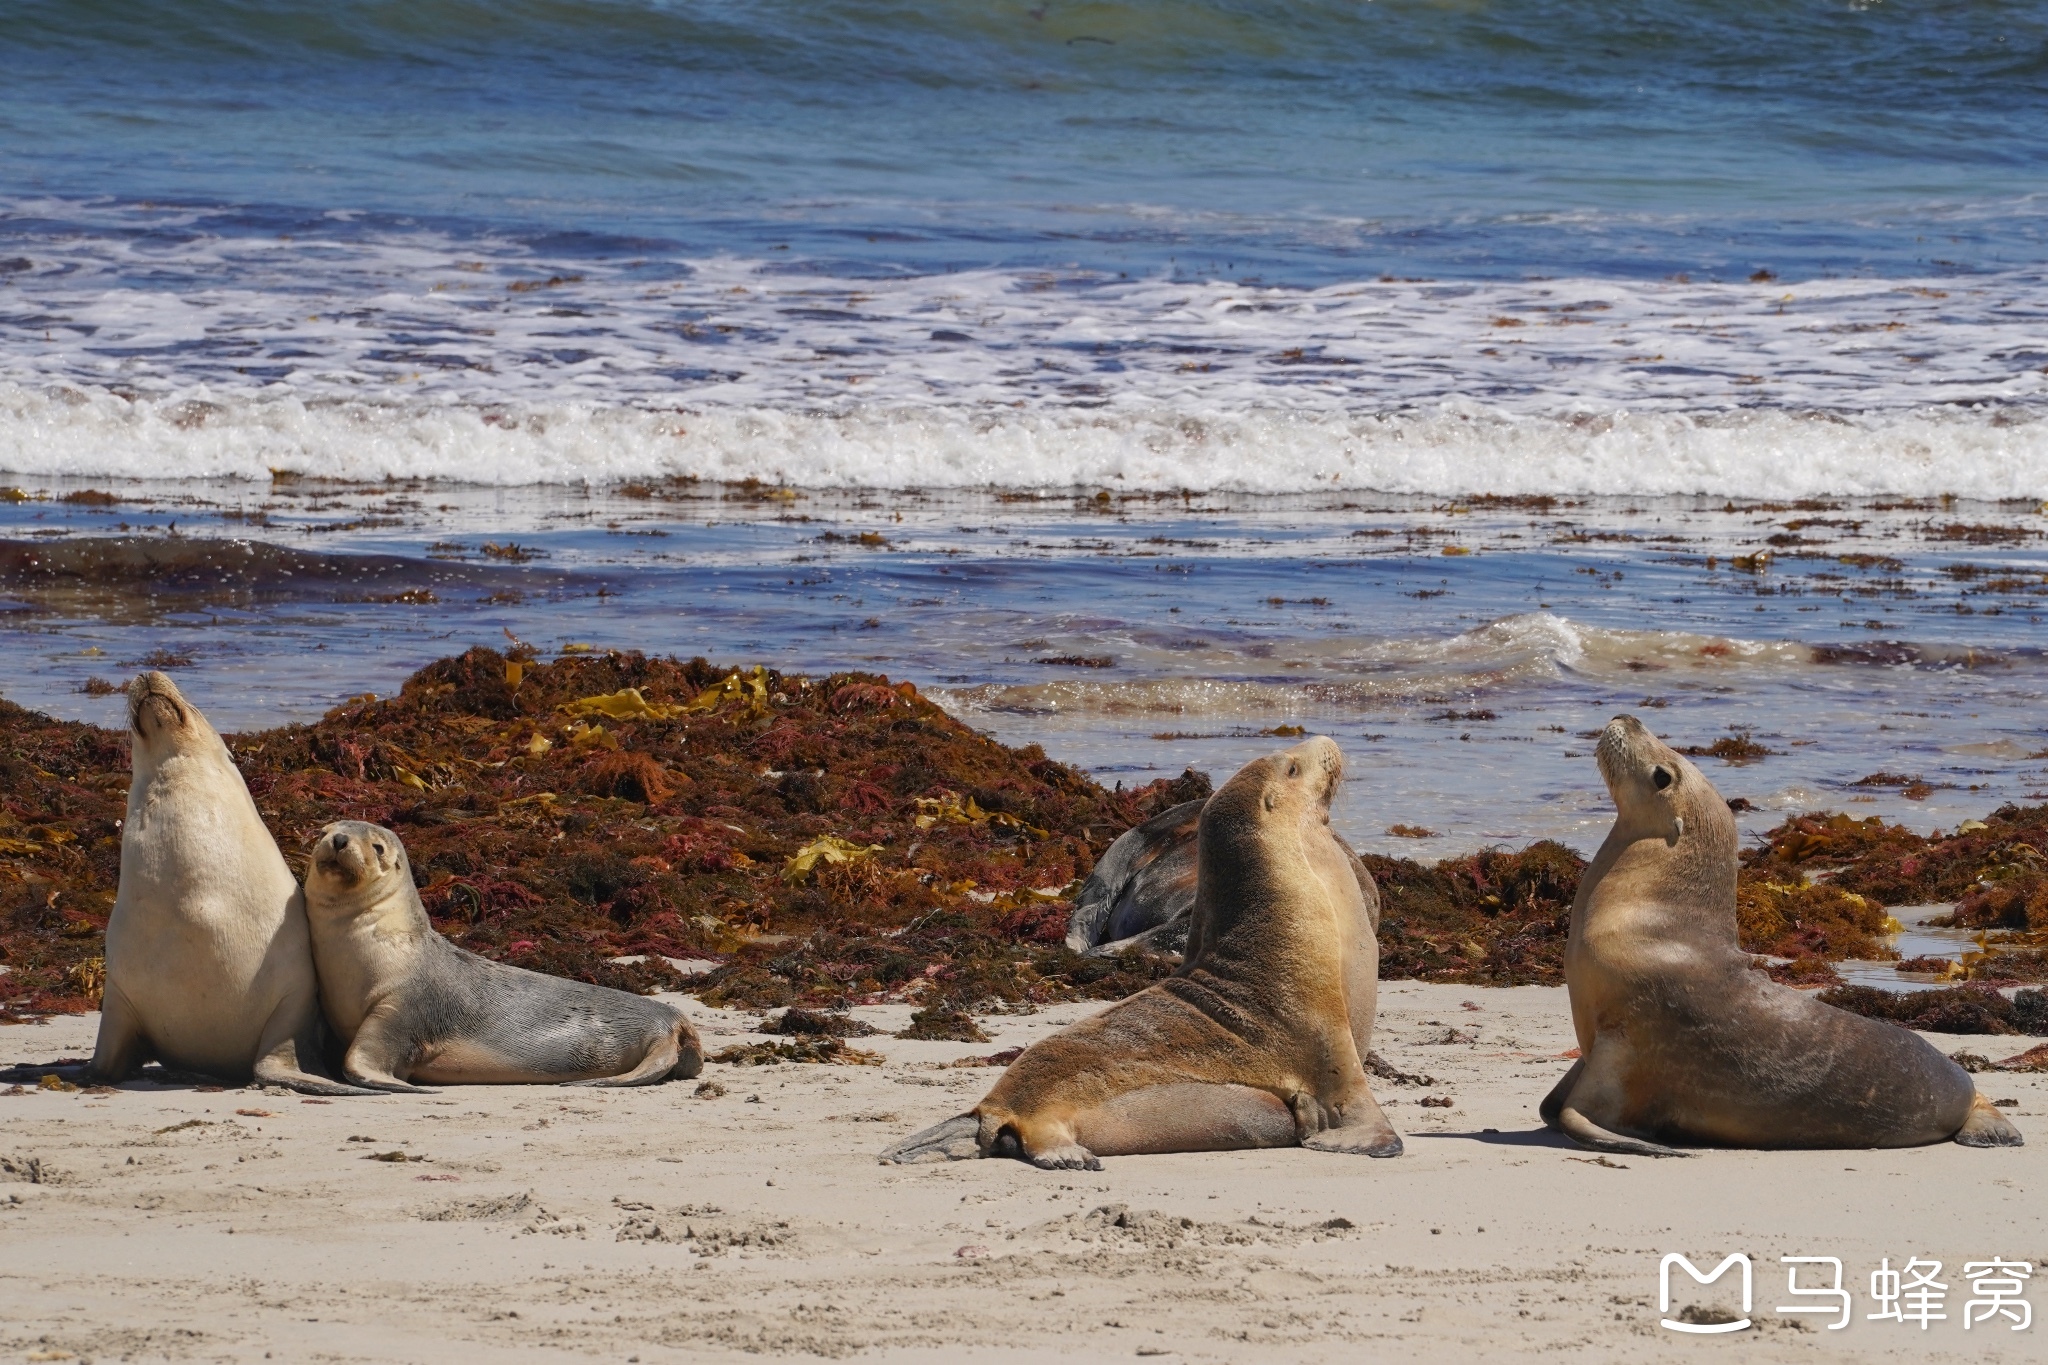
(1142, 891)
(411, 1006)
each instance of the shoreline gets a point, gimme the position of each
(844, 841)
(652, 1224)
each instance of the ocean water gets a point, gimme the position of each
(1447, 375)
(1888, 657)
(1789, 248)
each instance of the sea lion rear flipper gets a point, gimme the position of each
(675, 1056)
(957, 1139)
(1593, 1137)
(1986, 1127)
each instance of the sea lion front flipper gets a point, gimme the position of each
(1986, 1127)
(1553, 1103)
(122, 1046)
(293, 1033)
(378, 1052)
(276, 1068)
(1362, 1129)
(957, 1139)
(1593, 1137)
(1067, 1156)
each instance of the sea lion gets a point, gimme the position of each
(1681, 1041)
(1142, 889)
(411, 1006)
(1141, 893)
(1257, 1041)
(209, 966)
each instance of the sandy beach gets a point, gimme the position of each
(176, 1223)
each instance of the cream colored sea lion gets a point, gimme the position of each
(1681, 1041)
(411, 1006)
(1256, 1042)
(209, 966)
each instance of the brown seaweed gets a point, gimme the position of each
(840, 841)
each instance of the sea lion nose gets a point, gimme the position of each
(340, 842)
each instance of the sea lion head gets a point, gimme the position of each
(352, 855)
(1299, 783)
(1657, 792)
(164, 724)
(1273, 811)
(157, 711)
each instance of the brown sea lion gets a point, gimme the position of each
(411, 1006)
(1681, 1040)
(1257, 1041)
(209, 968)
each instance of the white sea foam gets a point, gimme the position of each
(415, 354)
(1515, 652)
(1451, 448)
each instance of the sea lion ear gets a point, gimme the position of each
(1662, 777)
(1680, 822)
(1270, 799)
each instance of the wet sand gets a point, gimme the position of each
(160, 1223)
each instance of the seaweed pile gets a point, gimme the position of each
(842, 841)
(1992, 870)
(833, 840)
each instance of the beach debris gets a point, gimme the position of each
(1387, 1071)
(625, 704)
(797, 1021)
(1972, 1008)
(1737, 747)
(2033, 1059)
(750, 691)
(943, 1024)
(814, 1049)
(829, 849)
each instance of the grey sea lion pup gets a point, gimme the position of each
(411, 1006)
(1141, 893)
(1257, 1041)
(1681, 1041)
(209, 966)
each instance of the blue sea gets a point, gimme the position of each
(1446, 375)
(1684, 246)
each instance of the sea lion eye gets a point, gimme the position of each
(1661, 776)
(1293, 768)
(380, 847)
